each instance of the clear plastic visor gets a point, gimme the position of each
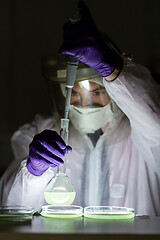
(87, 94)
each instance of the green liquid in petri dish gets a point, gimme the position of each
(110, 216)
(59, 198)
(60, 215)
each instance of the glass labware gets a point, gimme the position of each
(16, 214)
(108, 212)
(66, 211)
(60, 190)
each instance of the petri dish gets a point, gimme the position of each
(16, 213)
(108, 212)
(63, 211)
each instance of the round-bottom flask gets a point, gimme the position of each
(60, 190)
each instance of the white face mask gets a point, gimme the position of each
(90, 119)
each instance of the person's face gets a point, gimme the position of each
(88, 93)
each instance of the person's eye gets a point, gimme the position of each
(97, 93)
(75, 93)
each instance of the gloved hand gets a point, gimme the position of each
(46, 150)
(83, 41)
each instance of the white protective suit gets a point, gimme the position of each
(124, 167)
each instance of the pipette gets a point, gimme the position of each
(72, 66)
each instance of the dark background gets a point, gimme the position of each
(30, 29)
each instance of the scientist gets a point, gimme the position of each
(114, 132)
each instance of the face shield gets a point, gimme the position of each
(90, 107)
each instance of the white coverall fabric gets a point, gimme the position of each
(124, 167)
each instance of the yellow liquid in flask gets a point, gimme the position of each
(59, 198)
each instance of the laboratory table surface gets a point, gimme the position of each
(142, 227)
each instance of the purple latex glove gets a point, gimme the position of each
(83, 41)
(46, 150)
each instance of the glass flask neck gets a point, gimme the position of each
(64, 136)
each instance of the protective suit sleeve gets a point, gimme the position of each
(138, 96)
(27, 189)
(17, 185)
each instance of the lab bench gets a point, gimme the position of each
(42, 228)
